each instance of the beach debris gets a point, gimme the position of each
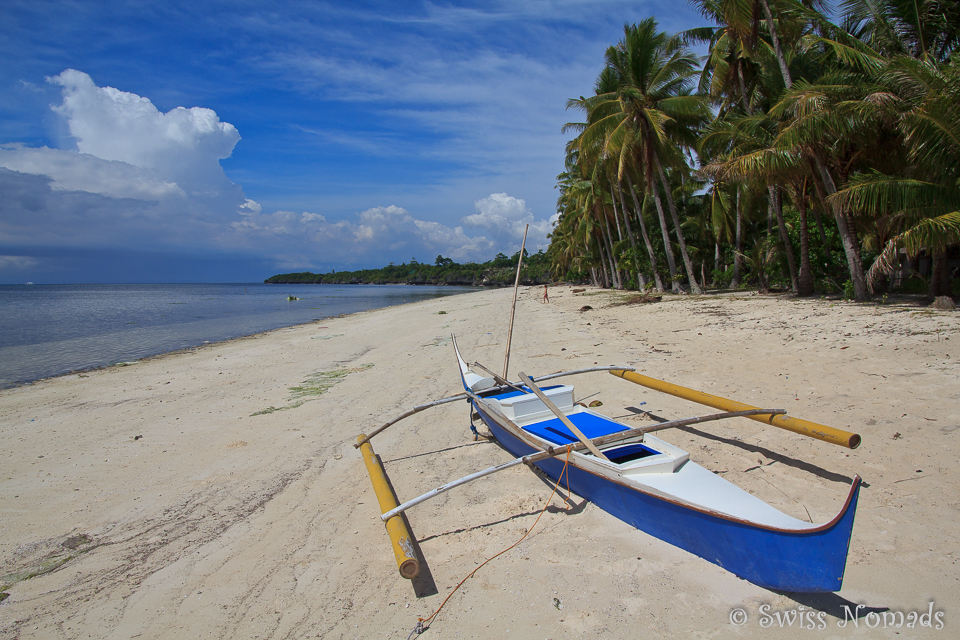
(897, 436)
(944, 302)
(585, 307)
(76, 541)
(595, 403)
(238, 443)
(313, 387)
(292, 298)
(441, 313)
(137, 437)
(640, 299)
(579, 290)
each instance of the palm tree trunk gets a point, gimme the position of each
(603, 265)
(939, 275)
(616, 216)
(805, 280)
(593, 270)
(816, 213)
(738, 250)
(823, 234)
(855, 266)
(743, 89)
(716, 261)
(687, 263)
(609, 246)
(787, 245)
(851, 224)
(626, 219)
(646, 238)
(668, 248)
(781, 59)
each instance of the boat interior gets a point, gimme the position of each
(641, 458)
(635, 454)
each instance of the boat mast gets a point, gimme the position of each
(513, 309)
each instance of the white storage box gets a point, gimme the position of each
(527, 407)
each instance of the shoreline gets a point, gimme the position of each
(238, 512)
(84, 370)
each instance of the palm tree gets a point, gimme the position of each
(922, 204)
(646, 116)
(928, 30)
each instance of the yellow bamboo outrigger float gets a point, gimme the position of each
(400, 536)
(796, 425)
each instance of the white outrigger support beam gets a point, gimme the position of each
(552, 452)
(464, 396)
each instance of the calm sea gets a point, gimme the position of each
(47, 330)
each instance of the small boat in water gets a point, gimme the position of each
(654, 486)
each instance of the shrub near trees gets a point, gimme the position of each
(798, 153)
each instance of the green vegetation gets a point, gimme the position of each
(75, 545)
(313, 387)
(501, 271)
(798, 154)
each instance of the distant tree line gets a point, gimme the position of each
(499, 272)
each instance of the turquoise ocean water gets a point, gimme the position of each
(48, 330)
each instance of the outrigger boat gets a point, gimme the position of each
(645, 481)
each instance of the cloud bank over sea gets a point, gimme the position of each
(130, 177)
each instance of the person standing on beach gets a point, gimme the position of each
(546, 298)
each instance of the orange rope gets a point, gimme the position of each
(422, 622)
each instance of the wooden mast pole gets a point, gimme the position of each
(513, 309)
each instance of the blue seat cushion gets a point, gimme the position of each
(592, 426)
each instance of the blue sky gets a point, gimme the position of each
(228, 141)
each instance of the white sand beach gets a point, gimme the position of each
(195, 495)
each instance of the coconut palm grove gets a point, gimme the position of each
(807, 151)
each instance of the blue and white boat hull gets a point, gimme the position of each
(809, 560)
(652, 485)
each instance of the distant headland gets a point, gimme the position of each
(501, 271)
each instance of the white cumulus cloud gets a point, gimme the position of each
(504, 218)
(376, 236)
(71, 171)
(138, 176)
(183, 144)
